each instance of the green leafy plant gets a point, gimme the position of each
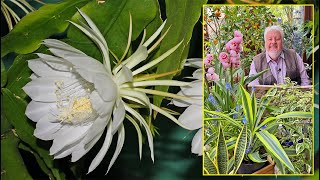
(253, 132)
(296, 135)
(112, 18)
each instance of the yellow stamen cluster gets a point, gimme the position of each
(72, 110)
(76, 111)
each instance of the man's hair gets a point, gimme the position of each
(273, 28)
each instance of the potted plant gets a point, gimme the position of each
(251, 138)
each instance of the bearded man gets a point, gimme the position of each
(282, 62)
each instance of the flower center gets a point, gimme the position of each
(76, 111)
(73, 103)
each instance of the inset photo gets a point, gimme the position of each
(258, 90)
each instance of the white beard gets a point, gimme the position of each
(274, 55)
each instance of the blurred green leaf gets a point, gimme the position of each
(12, 165)
(3, 74)
(38, 25)
(181, 16)
(5, 125)
(112, 19)
(40, 162)
(14, 108)
(18, 74)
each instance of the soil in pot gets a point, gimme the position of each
(249, 168)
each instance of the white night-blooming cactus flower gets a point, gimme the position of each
(192, 116)
(75, 97)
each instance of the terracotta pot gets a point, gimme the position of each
(269, 169)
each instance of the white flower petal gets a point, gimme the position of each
(180, 103)
(159, 83)
(192, 117)
(65, 153)
(98, 126)
(63, 53)
(102, 107)
(106, 144)
(46, 127)
(42, 69)
(54, 43)
(194, 62)
(194, 89)
(120, 142)
(124, 75)
(118, 116)
(36, 110)
(187, 102)
(95, 38)
(106, 87)
(156, 61)
(197, 74)
(79, 152)
(137, 57)
(196, 144)
(86, 62)
(34, 76)
(139, 96)
(68, 137)
(163, 112)
(43, 89)
(55, 62)
(154, 35)
(87, 75)
(146, 127)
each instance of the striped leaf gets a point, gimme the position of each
(209, 165)
(275, 148)
(280, 166)
(265, 100)
(247, 105)
(254, 111)
(230, 164)
(229, 119)
(240, 148)
(210, 139)
(256, 158)
(290, 151)
(231, 143)
(252, 78)
(295, 114)
(222, 153)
